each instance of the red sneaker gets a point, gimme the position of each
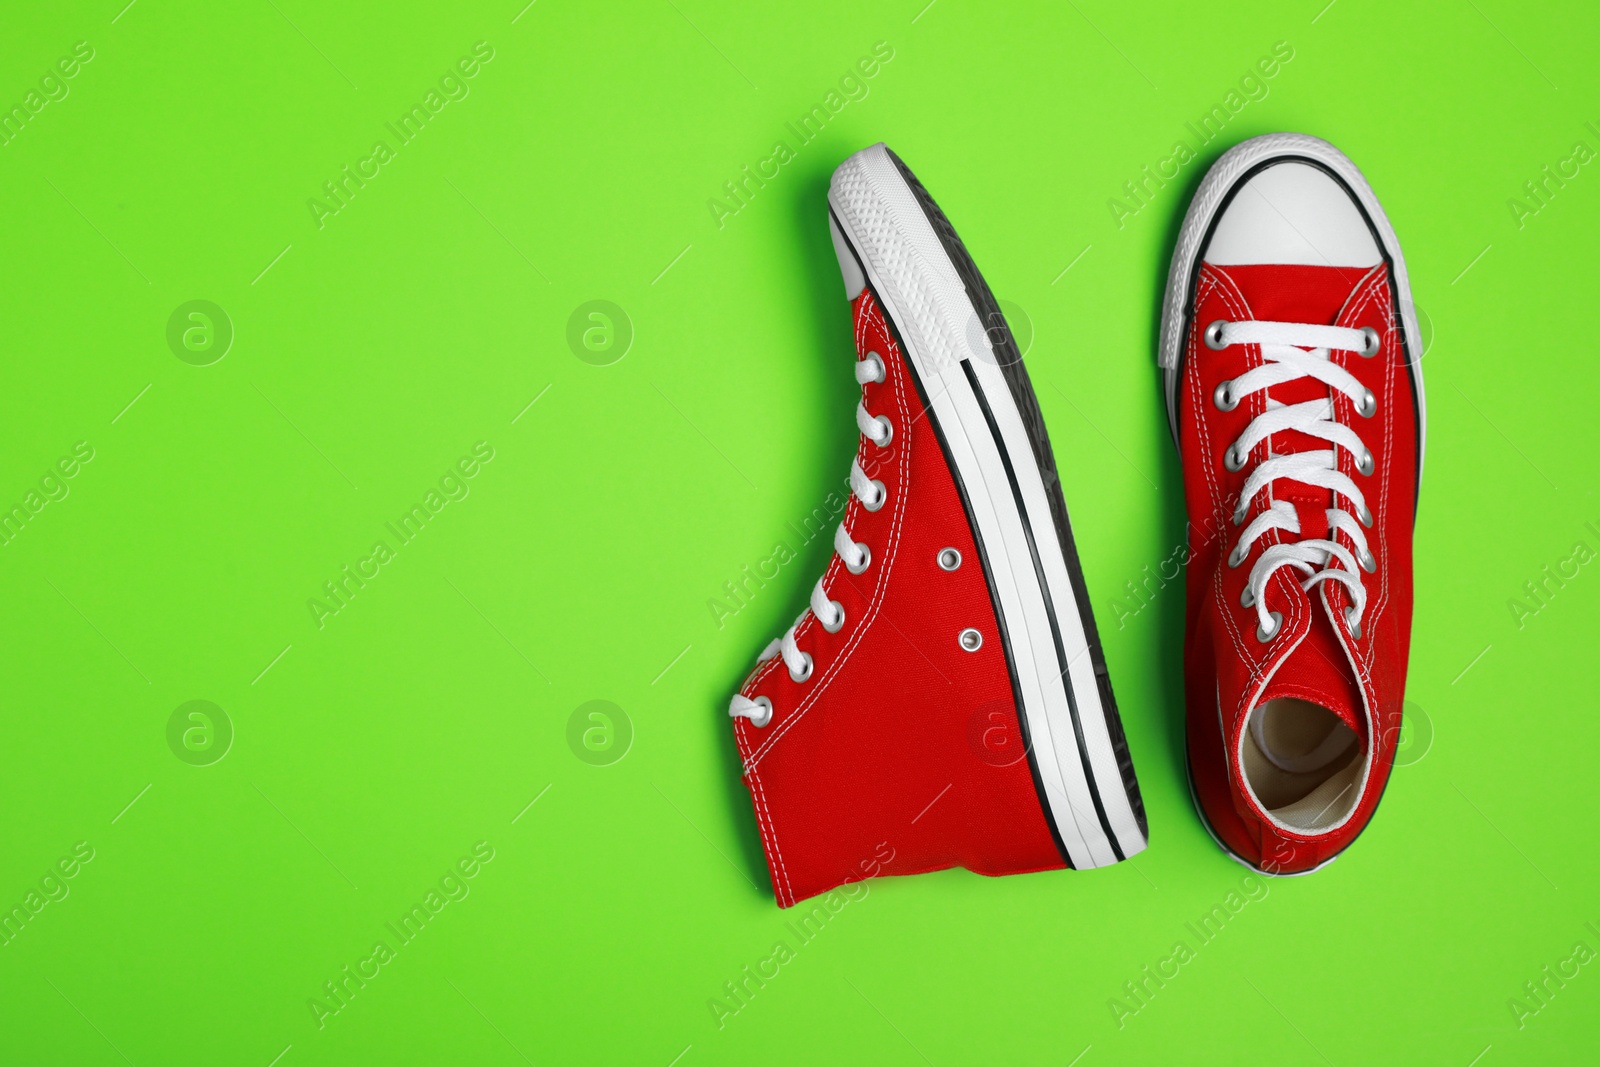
(1289, 344)
(944, 701)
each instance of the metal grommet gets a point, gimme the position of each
(866, 559)
(1353, 622)
(805, 672)
(949, 559)
(1370, 341)
(1247, 599)
(1236, 557)
(888, 431)
(1233, 459)
(1213, 336)
(1277, 624)
(882, 498)
(838, 616)
(1366, 464)
(883, 371)
(970, 639)
(1223, 397)
(1365, 516)
(1368, 561)
(1368, 406)
(766, 717)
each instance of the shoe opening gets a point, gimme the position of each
(1302, 762)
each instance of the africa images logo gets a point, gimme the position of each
(853, 87)
(1140, 191)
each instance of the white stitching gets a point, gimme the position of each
(769, 832)
(871, 311)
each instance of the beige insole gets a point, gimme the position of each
(1302, 762)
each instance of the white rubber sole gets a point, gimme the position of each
(1226, 175)
(881, 223)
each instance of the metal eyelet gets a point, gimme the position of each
(1263, 635)
(767, 716)
(949, 559)
(1368, 406)
(1236, 557)
(1370, 342)
(805, 673)
(881, 499)
(970, 639)
(1366, 464)
(888, 432)
(838, 624)
(877, 360)
(866, 559)
(1247, 599)
(1223, 396)
(1213, 336)
(1233, 459)
(1239, 513)
(1354, 623)
(1365, 515)
(1368, 561)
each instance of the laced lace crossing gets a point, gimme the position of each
(855, 555)
(1292, 351)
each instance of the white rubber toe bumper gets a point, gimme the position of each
(886, 240)
(1292, 213)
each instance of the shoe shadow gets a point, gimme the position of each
(827, 349)
(1171, 610)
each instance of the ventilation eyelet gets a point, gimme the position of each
(970, 639)
(949, 559)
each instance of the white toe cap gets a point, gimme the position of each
(1292, 212)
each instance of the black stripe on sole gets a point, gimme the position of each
(1049, 610)
(983, 553)
(1011, 367)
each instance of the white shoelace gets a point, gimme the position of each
(1285, 358)
(856, 556)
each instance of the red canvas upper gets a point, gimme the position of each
(901, 753)
(1316, 656)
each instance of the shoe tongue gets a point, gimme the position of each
(1294, 293)
(1297, 293)
(1319, 671)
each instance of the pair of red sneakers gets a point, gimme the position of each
(944, 700)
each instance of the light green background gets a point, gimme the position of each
(370, 354)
